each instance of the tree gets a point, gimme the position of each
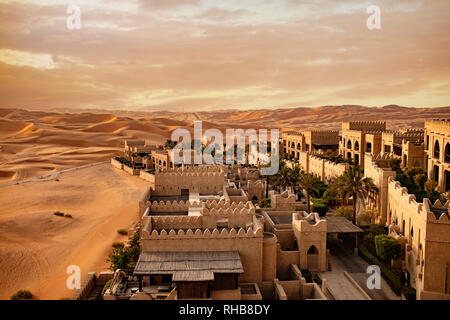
(310, 185)
(420, 179)
(387, 247)
(430, 186)
(412, 172)
(264, 203)
(355, 185)
(337, 186)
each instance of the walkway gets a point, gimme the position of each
(342, 259)
(54, 175)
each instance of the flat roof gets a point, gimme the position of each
(341, 225)
(189, 265)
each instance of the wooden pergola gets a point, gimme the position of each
(340, 225)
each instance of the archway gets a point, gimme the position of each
(436, 152)
(313, 250)
(447, 180)
(447, 152)
(436, 173)
(312, 258)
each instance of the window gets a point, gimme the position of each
(447, 152)
(437, 151)
(369, 147)
(357, 146)
(349, 144)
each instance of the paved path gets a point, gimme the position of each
(342, 259)
(52, 176)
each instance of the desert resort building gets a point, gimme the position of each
(203, 234)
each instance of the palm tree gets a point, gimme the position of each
(355, 185)
(337, 186)
(310, 185)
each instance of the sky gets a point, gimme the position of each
(206, 55)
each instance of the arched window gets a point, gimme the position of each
(292, 145)
(357, 146)
(313, 250)
(299, 146)
(164, 164)
(437, 151)
(349, 144)
(447, 152)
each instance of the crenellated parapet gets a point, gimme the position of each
(227, 208)
(305, 222)
(195, 169)
(437, 212)
(176, 222)
(283, 201)
(170, 206)
(399, 197)
(255, 185)
(365, 126)
(196, 234)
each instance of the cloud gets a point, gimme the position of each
(157, 5)
(209, 55)
(27, 59)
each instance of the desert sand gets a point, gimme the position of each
(36, 247)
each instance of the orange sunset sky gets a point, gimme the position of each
(186, 55)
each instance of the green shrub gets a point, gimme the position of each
(390, 277)
(387, 247)
(122, 232)
(67, 215)
(58, 213)
(107, 286)
(376, 229)
(21, 295)
(265, 203)
(410, 294)
(118, 245)
(126, 258)
(320, 208)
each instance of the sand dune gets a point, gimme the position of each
(60, 140)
